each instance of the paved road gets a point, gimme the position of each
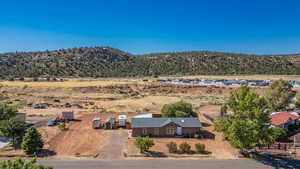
(155, 164)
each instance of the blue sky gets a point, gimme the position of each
(146, 26)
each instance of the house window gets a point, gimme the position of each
(144, 131)
(156, 131)
(171, 131)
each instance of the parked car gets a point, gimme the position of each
(39, 106)
(51, 122)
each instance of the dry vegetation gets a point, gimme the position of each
(111, 97)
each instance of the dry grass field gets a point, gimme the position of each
(73, 83)
(109, 97)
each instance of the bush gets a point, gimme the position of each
(200, 148)
(22, 164)
(199, 134)
(185, 147)
(292, 127)
(62, 126)
(172, 146)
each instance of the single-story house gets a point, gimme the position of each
(165, 127)
(284, 119)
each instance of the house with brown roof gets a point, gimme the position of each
(284, 119)
(165, 127)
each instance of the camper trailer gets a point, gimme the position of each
(96, 123)
(122, 120)
(110, 123)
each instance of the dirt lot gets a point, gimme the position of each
(82, 140)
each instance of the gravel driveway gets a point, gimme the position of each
(114, 146)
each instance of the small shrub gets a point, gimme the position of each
(199, 134)
(200, 148)
(62, 126)
(172, 146)
(185, 147)
(57, 100)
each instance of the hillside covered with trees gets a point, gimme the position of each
(110, 62)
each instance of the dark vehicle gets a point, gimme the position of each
(39, 106)
(51, 122)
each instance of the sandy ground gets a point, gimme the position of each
(51, 112)
(79, 139)
(82, 140)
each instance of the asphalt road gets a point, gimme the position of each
(155, 164)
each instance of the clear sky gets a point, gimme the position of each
(146, 26)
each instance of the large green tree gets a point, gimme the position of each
(7, 111)
(32, 141)
(279, 95)
(13, 128)
(22, 164)
(178, 109)
(248, 126)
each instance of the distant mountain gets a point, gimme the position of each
(110, 62)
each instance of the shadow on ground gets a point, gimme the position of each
(281, 162)
(46, 153)
(155, 154)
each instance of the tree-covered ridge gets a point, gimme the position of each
(110, 62)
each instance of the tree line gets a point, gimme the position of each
(110, 62)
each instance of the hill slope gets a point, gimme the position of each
(109, 62)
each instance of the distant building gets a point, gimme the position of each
(284, 119)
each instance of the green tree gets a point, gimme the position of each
(144, 143)
(297, 104)
(32, 141)
(179, 109)
(22, 164)
(7, 111)
(13, 128)
(248, 126)
(279, 95)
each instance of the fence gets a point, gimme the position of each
(280, 146)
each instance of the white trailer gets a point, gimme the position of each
(122, 120)
(96, 123)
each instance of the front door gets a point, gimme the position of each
(179, 131)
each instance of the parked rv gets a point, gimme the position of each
(96, 123)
